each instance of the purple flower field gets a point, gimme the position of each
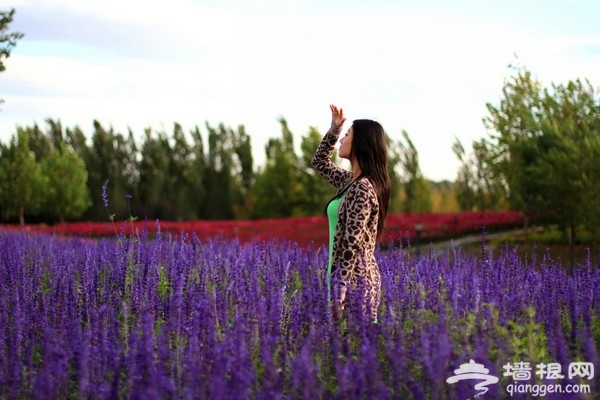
(184, 319)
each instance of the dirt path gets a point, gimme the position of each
(471, 239)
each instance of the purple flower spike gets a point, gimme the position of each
(105, 194)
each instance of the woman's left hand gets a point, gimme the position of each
(337, 116)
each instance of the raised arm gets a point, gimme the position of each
(321, 160)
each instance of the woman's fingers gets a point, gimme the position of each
(336, 111)
(337, 114)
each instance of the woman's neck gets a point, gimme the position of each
(355, 172)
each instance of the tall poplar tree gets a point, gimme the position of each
(417, 192)
(181, 178)
(278, 190)
(65, 176)
(113, 159)
(198, 172)
(245, 171)
(544, 148)
(476, 185)
(22, 188)
(222, 188)
(153, 188)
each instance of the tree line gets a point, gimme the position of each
(55, 174)
(542, 155)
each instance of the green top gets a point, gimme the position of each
(332, 215)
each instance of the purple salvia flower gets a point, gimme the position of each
(105, 194)
(158, 231)
(250, 320)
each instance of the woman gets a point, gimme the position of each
(357, 212)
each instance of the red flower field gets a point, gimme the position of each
(304, 230)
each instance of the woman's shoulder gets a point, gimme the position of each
(362, 185)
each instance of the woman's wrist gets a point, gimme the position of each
(335, 126)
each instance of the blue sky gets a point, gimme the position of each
(428, 67)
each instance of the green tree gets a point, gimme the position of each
(465, 184)
(8, 40)
(154, 184)
(476, 186)
(278, 189)
(112, 157)
(65, 177)
(544, 149)
(39, 142)
(198, 172)
(591, 179)
(77, 140)
(417, 192)
(245, 170)
(562, 159)
(181, 178)
(394, 159)
(222, 185)
(513, 123)
(22, 188)
(315, 191)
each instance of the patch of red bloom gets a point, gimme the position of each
(303, 230)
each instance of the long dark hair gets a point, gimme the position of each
(369, 150)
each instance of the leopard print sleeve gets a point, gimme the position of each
(322, 163)
(359, 232)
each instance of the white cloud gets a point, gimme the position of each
(140, 63)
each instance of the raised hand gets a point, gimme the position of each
(337, 115)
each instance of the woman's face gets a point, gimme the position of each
(346, 144)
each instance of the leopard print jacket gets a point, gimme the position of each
(354, 268)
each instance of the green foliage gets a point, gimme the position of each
(416, 189)
(181, 180)
(277, 189)
(527, 338)
(477, 187)
(155, 176)
(541, 156)
(8, 40)
(245, 170)
(394, 158)
(595, 327)
(22, 188)
(516, 339)
(316, 191)
(164, 285)
(222, 181)
(112, 158)
(181, 176)
(65, 175)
